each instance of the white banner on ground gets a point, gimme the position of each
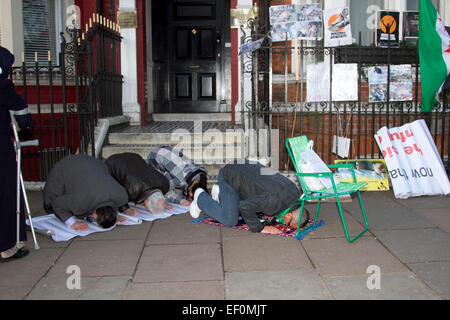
(58, 231)
(413, 162)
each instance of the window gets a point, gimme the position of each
(363, 15)
(40, 29)
(412, 5)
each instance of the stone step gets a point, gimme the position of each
(202, 155)
(175, 138)
(218, 116)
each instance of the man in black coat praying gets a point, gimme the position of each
(10, 101)
(144, 184)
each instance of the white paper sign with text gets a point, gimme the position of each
(413, 162)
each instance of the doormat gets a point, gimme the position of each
(287, 232)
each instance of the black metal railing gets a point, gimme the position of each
(68, 98)
(274, 99)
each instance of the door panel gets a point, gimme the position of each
(183, 86)
(195, 64)
(207, 86)
(183, 43)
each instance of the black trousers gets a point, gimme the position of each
(8, 186)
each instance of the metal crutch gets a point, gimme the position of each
(20, 184)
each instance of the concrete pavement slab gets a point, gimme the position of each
(333, 226)
(107, 288)
(386, 218)
(336, 256)
(91, 288)
(14, 293)
(417, 245)
(439, 217)
(384, 213)
(435, 274)
(100, 258)
(275, 285)
(181, 230)
(263, 252)
(393, 286)
(45, 242)
(190, 262)
(28, 270)
(426, 202)
(191, 290)
(228, 233)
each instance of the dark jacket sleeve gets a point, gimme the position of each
(14, 102)
(10, 98)
(250, 208)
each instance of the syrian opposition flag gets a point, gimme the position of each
(434, 54)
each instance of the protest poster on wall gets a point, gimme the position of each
(413, 162)
(318, 82)
(309, 21)
(400, 88)
(344, 82)
(337, 27)
(283, 19)
(302, 22)
(387, 32)
(411, 24)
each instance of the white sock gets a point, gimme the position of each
(194, 210)
(215, 192)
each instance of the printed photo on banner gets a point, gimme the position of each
(283, 20)
(309, 21)
(282, 14)
(372, 171)
(337, 29)
(410, 24)
(387, 31)
(400, 88)
(284, 31)
(296, 22)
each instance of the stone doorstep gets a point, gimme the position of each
(172, 138)
(191, 116)
(201, 155)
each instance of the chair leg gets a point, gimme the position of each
(317, 211)
(300, 216)
(313, 225)
(344, 225)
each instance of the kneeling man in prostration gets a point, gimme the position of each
(80, 187)
(249, 189)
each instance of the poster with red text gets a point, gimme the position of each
(413, 162)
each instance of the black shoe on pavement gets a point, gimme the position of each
(18, 255)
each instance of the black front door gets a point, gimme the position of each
(193, 55)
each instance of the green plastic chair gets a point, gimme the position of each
(296, 146)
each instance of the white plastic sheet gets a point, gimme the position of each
(413, 162)
(58, 231)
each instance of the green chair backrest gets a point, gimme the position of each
(296, 146)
